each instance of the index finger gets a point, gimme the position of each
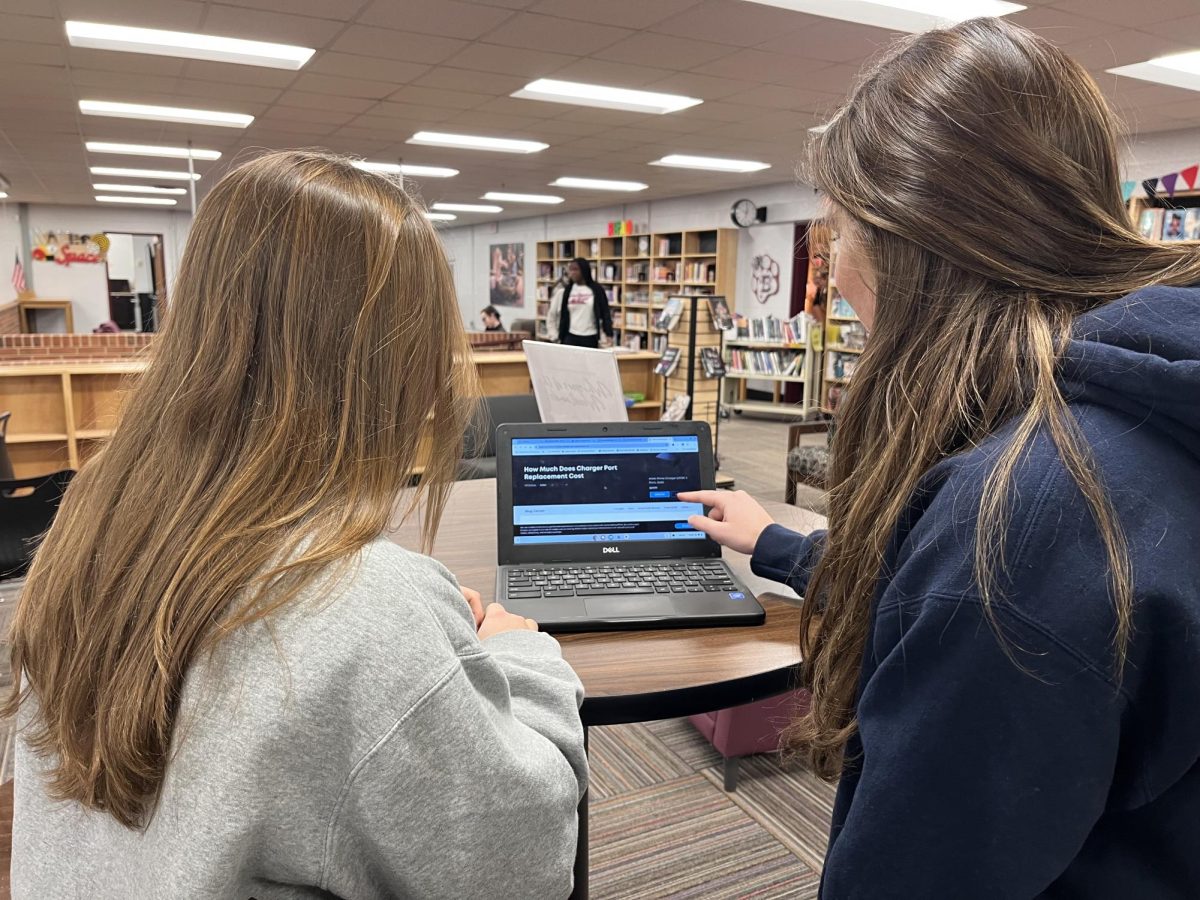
(708, 498)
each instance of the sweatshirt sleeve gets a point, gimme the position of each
(787, 556)
(553, 313)
(981, 773)
(474, 792)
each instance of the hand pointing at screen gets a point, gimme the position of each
(735, 519)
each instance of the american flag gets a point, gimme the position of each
(18, 276)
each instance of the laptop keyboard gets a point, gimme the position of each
(596, 581)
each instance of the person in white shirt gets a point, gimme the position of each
(579, 313)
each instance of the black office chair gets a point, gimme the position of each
(6, 468)
(479, 448)
(27, 507)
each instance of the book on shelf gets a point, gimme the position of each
(849, 335)
(1175, 225)
(636, 319)
(710, 360)
(668, 362)
(1150, 223)
(659, 297)
(618, 318)
(637, 272)
(664, 246)
(545, 270)
(658, 343)
(643, 245)
(841, 308)
(766, 362)
(595, 247)
(1192, 224)
(718, 309)
(666, 273)
(833, 399)
(770, 330)
(637, 298)
(668, 316)
(610, 272)
(701, 271)
(840, 365)
(633, 341)
(613, 292)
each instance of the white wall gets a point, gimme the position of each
(786, 203)
(86, 285)
(10, 248)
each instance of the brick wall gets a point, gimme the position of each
(10, 319)
(45, 348)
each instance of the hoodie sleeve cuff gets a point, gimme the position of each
(787, 556)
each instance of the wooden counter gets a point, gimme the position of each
(61, 411)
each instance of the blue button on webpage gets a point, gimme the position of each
(660, 495)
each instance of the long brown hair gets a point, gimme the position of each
(976, 169)
(313, 356)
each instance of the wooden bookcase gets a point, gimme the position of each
(809, 375)
(641, 271)
(844, 339)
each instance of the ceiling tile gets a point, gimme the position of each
(292, 114)
(351, 87)
(264, 25)
(664, 50)
(31, 29)
(604, 71)
(205, 70)
(1098, 54)
(451, 79)
(514, 106)
(534, 32)
(320, 9)
(509, 61)
(778, 97)
(403, 45)
(629, 13)
(428, 96)
(1130, 15)
(448, 18)
(729, 22)
(175, 15)
(412, 111)
(695, 84)
(324, 101)
(373, 68)
(1061, 27)
(831, 41)
(757, 65)
(104, 60)
(1185, 30)
(32, 54)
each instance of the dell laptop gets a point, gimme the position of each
(593, 538)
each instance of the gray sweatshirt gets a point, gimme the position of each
(366, 744)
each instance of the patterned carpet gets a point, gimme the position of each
(661, 825)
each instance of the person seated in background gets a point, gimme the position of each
(229, 682)
(490, 316)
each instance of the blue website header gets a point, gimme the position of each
(605, 445)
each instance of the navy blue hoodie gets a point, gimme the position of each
(974, 777)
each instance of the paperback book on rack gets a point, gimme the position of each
(710, 359)
(668, 362)
(718, 308)
(669, 316)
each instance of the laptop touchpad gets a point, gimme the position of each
(629, 607)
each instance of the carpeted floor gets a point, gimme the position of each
(661, 825)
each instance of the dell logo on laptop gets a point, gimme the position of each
(611, 549)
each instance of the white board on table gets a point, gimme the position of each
(575, 384)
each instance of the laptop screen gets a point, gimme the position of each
(604, 489)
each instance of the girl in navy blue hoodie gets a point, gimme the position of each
(1002, 635)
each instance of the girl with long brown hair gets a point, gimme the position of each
(1002, 633)
(231, 683)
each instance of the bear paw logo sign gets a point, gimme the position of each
(764, 274)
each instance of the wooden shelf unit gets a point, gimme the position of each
(634, 260)
(705, 392)
(840, 359)
(63, 412)
(737, 387)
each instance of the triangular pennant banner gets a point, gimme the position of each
(1189, 176)
(1127, 189)
(1168, 183)
(1150, 186)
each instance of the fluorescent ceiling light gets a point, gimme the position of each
(149, 150)
(599, 184)
(522, 198)
(403, 169)
(899, 15)
(138, 189)
(147, 201)
(1181, 70)
(604, 97)
(164, 113)
(3, 195)
(440, 217)
(467, 207)
(711, 163)
(473, 142)
(187, 45)
(143, 173)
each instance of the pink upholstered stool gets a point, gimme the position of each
(751, 728)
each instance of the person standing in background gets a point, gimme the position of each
(579, 313)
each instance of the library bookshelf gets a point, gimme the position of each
(640, 271)
(776, 363)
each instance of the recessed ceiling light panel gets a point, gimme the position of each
(548, 199)
(598, 184)
(440, 217)
(467, 207)
(162, 174)
(386, 168)
(145, 201)
(476, 142)
(149, 150)
(899, 15)
(1181, 70)
(605, 97)
(711, 163)
(185, 44)
(138, 189)
(164, 113)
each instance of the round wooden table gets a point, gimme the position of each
(638, 676)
